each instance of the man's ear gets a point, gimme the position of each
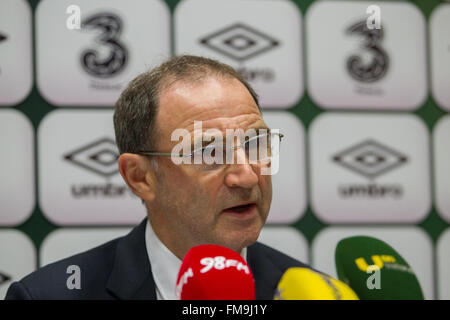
(138, 174)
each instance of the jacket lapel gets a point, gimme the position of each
(131, 276)
(266, 274)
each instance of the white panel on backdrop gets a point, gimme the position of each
(351, 66)
(261, 39)
(440, 55)
(18, 258)
(79, 182)
(411, 243)
(287, 240)
(17, 197)
(16, 72)
(369, 168)
(67, 242)
(443, 263)
(92, 64)
(441, 146)
(289, 184)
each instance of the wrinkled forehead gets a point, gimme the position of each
(220, 103)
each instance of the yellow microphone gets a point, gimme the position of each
(306, 284)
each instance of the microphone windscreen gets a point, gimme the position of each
(306, 284)
(375, 270)
(212, 272)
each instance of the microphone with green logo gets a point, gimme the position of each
(375, 271)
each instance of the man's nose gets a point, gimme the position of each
(241, 173)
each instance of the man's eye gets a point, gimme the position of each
(205, 150)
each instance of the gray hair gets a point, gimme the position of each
(136, 109)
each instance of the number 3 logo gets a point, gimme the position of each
(377, 67)
(110, 27)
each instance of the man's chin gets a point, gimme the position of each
(238, 241)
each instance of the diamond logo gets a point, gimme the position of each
(99, 157)
(3, 37)
(4, 278)
(239, 42)
(370, 159)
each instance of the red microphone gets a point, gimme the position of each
(212, 272)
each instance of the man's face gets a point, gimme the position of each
(227, 206)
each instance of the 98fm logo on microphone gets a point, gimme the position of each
(211, 263)
(212, 272)
(220, 263)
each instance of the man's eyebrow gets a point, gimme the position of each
(204, 143)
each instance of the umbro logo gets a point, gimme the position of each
(4, 278)
(99, 157)
(239, 42)
(370, 158)
(3, 37)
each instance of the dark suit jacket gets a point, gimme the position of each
(120, 269)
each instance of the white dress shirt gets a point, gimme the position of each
(165, 265)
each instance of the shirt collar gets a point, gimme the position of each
(165, 265)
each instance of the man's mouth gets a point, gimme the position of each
(242, 210)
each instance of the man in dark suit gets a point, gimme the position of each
(222, 197)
